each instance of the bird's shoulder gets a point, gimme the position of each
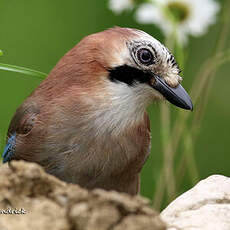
(24, 119)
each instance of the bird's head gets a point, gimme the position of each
(135, 59)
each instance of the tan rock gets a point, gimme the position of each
(50, 204)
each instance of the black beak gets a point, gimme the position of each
(177, 96)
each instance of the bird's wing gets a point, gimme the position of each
(21, 124)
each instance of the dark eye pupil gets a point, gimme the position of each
(145, 56)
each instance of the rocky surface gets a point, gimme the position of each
(206, 206)
(32, 199)
(40, 201)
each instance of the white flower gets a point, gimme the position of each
(118, 6)
(189, 16)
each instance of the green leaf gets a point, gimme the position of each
(22, 70)
(1, 53)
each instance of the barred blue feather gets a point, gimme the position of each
(9, 149)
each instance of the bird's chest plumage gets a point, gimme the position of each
(94, 153)
(94, 160)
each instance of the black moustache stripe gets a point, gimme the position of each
(128, 75)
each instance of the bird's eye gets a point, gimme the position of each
(145, 56)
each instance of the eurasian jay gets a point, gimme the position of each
(86, 123)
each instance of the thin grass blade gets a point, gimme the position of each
(23, 70)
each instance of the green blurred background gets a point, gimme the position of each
(36, 34)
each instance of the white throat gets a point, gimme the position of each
(123, 107)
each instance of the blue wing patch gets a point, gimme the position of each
(9, 149)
